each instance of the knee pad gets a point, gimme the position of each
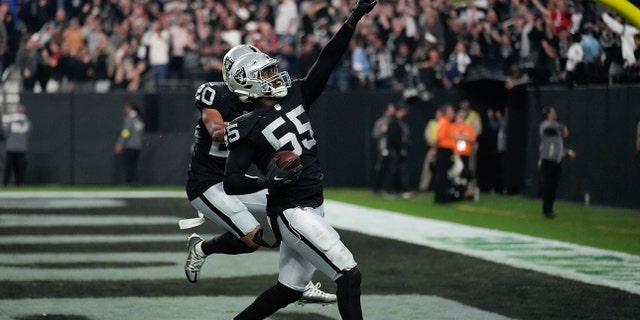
(349, 283)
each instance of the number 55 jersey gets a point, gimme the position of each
(283, 126)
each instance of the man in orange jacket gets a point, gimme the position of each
(445, 144)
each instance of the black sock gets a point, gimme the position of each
(226, 243)
(270, 301)
(348, 293)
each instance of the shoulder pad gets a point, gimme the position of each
(240, 128)
(210, 94)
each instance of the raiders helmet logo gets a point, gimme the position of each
(240, 76)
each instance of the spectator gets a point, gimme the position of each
(103, 57)
(457, 64)
(556, 11)
(360, 66)
(498, 122)
(16, 132)
(633, 71)
(472, 118)
(231, 33)
(445, 144)
(81, 72)
(507, 53)
(13, 36)
(574, 69)
(286, 20)
(592, 52)
(74, 36)
(379, 134)
(119, 34)
(36, 13)
(129, 143)
(430, 132)
(129, 67)
(403, 65)
(308, 53)
(562, 42)
(626, 33)
(398, 143)
(431, 70)
(268, 39)
(552, 152)
(210, 62)
(431, 23)
(54, 59)
(494, 33)
(613, 60)
(158, 41)
(381, 61)
(27, 61)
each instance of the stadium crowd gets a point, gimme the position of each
(412, 46)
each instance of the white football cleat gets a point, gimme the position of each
(194, 260)
(313, 294)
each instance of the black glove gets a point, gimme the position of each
(362, 7)
(276, 176)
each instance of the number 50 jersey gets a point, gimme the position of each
(208, 157)
(284, 126)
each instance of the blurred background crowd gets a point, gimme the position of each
(412, 46)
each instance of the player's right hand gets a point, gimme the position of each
(363, 7)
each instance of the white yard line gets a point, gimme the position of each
(570, 261)
(375, 307)
(586, 264)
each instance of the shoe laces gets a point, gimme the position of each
(314, 290)
(195, 260)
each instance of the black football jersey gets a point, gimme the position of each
(209, 157)
(285, 126)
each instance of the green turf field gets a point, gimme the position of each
(70, 255)
(595, 226)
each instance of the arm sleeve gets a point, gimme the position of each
(235, 179)
(124, 133)
(315, 81)
(443, 130)
(612, 23)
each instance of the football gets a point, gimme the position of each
(282, 158)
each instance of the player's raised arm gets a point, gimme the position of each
(317, 77)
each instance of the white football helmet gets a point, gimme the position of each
(255, 75)
(232, 55)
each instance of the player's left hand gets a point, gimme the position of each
(277, 176)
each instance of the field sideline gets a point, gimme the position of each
(113, 239)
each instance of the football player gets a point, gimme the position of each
(280, 121)
(218, 105)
